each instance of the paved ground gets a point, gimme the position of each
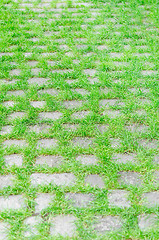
(78, 124)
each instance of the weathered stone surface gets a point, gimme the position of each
(38, 104)
(108, 223)
(124, 158)
(50, 91)
(59, 179)
(107, 102)
(43, 201)
(80, 115)
(6, 180)
(116, 55)
(32, 63)
(147, 222)
(50, 115)
(35, 71)
(156, 178)
(82, 142)
(102, 47)
(150, 199)
(47, 143)
(8, 104)
(15, 72)
(130, 178)
(112, 113)
(4, 230)
(63, 225)
(90, 72)
(16, 115)
(13, 202)
(13, 159)
(156, 159)
(31, 224)
(115, 143)
(87, 159)
(102, 128)
(43, 128)
(14, 142)
(94, 180)
(37, 81)
(118, 198)
(16, 93)
(137, 128)
(81, 91)
(149, 144)
(50, 160)
(6, 130)
(72, 104)
(70, 127)
(93, 80)
(79, 199)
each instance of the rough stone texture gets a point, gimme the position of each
(35, 71)
(81, 91)
(38, 81)
(150, 199)
(50, 91)
(37, 104)
(156, 178)
(15, 72)
(137, 128)
(6, 180)
(149, 72)
(59, 179)
(87, 159)
(147, 222)
(4, 229)
(115, 143)
(6, 130)
(13, 159)
(130, 178)
(32, 63)
(94, 180)
(156, 159)
(102, 128)
(124, 158)
(16, 93)
(50, 160)
(70, 127)
(47, 143)
(16, 115)
(118, 198)
(31, 224)
(80, 115)
(107, 102)
(82, 142)
(112, 113)
(90, 72)
(79, 199)
(93, 80)
(116, 55)
(50, 115)
(8, 104)
(102, 47)
(108, 223)
(15, 142)
(43, 128)
(43, 201)
(72, 104)
(12, 202)
(149, 144)
(63, 225)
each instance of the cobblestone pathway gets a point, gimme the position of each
(78, 120)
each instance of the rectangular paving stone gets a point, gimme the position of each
(81, 200)
(118, 198)
(90, 72)
(124, 158)
(130, 178)
(31, 226)
(15, 93)
(72, 104)
(12, 202)
(38, 104)
(50, 160)
(147, 222)
(15, 142)
(115, 143)
(43, 128)
(63, 225)
(50, 115)
(70, 127)
(82, 142)
(13, 159)
(6, 130)
(47, 143)
(137, 128)
(4, 230)
(80, 115)
(6, 180)
(15, 72)
(59, 179)
(94, 180)
(38, 81)
(42, 201)
(108, 223)
(153, 144)
(87, 159)
(107, 102)
(8, 104)
(150, 199)
(50, 91)
(16, 115)
(112, 113)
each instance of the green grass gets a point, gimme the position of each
(15, 31)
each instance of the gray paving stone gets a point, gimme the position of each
(130, 178)
(32, 63)
(62, 71)
(151, 199)
(13, 159)
(14, 142)
(79, 199)
(118, 198)
(90, 72)
(81, 91)
(66, 179)
(51, 91)
(148, 222)
(9, 103)
(71, 127)
(35, 71)
(16, 115)
(6, 130)
(108, 223)
(82, 142)
(102, 47)
(15, 93)
(31, 224)
(64, 47)
(47, 143)
(153, 144)
(12, 202)
(4, 230)
(156, 159)
(124, 158)
(81, 46)
(42, 201)
(102, 127)
(80, 115)
(50, 115)
(15, 72)
(38, 104)
(50, 160)
(137, 128)
(43, 128)
(6, 180)
(156, 178)
(95, 180)
(149, 72)
(38, 81)
(63, 225)
(115, 143)
(72, 104)
(93, 80)
(112, 113)
(107, 102)
(116, 55)
(87, 159)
